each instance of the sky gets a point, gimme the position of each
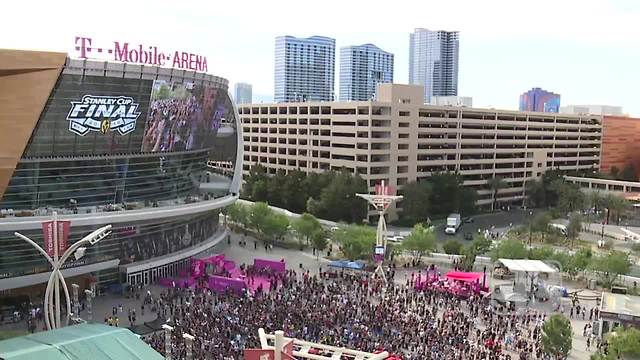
(586, 50)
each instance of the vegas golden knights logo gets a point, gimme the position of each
(105, 126)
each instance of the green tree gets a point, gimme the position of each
(258, 215)
(355, 241)
(452, 247)
(277, 190)
(580, 260)
(617, 206)
(623, 344)
(609, 266)
(415, 202)
(570, 197)
(448, 195)
(536, 193)
(540, 224)
(256, 185)
(275, 227)
(595, 200)
(574, 227)
(338, 201)
(239, 214)
(615, 172)
(420, 242)
(541, 253)
(629, 173)
(548, 178)
(557, 336)
(509, 249)
(478, 246)
(319, 241)
(295, 192)
(306, 225)
(495, 184)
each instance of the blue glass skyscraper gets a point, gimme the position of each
(361, 68)
(433, 62)
(304, 69)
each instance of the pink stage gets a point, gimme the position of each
(224, 275)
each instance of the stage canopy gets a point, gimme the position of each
(464, 276)
(532, 266)
(344, 264)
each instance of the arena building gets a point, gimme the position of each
(155, 152)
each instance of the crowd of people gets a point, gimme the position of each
(351, 311)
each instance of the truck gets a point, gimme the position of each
(453, 223)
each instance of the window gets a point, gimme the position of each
(404, 113)
(403, 146)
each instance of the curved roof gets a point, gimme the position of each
(85, 341)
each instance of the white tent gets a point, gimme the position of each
(530, 266)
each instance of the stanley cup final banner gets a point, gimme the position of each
(63, 236)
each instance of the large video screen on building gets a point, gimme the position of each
(87, 115)
(182, 117)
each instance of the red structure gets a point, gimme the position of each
(620, 143)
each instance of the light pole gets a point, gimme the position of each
(530, 230)
(167, 341)
(76, 303)
(90, 294)
(188, 340)
(52, 301)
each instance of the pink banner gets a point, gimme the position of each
(219, 283)
(277, 266)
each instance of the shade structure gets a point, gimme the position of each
(344, 264)
(464, 276)
(532, 266)
(86, 341)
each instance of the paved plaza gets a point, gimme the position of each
(104, 305)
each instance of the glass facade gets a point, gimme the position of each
(304, 69)
(105, 144)
(361, 69)
(433, 62)
(129, 242)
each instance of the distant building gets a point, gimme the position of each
(242, 93)
(540, 100)
(361, 69)
(304, 69)
(620, 143)
(433, 62)
(592, 109)
(466, 101)
(398, 139)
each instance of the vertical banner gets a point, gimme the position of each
(47, 230)
(63, 236)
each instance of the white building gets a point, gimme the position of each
(591, 109)
(433, 62)
(304, 69)
(243, 93)
(361, 69)
(464, 101)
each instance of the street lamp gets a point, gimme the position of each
(167, 341)
(188, 339)
(530, 230)
(52, 303)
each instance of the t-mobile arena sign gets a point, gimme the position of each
(140, 54)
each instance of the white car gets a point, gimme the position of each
(395, 239)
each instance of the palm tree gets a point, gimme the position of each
(495, 184)
(617, 206)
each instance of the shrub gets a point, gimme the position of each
(452, 247)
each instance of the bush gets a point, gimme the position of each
(555, 213)
(452, 247)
